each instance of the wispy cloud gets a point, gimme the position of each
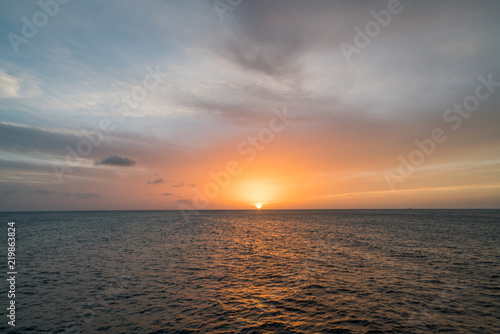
(9, 85)
(24, 86)
(182, 184)
(43, 192)
(184, 201)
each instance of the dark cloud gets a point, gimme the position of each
(9, 192)
(273, 60)
(116, 160)
(167, 194)
(20, 138)
(157, 181)
(425, 47)
(272, 37)
(87, 195)
(59, 143)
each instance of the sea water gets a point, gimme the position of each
(296, 271)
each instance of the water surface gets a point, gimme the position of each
(311, 271)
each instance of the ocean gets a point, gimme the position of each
(283, 271)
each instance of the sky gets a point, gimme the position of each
(228, 104)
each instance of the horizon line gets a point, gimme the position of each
(256, 210)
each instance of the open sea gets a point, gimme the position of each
(296, 271)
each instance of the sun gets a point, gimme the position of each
(258, 205)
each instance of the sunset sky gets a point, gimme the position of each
(200, 104)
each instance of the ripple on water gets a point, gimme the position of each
(380, 271)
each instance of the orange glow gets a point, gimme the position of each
(291, 174)
(257, 191)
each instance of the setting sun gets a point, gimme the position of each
(258, 205)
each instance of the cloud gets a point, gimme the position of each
(43, 192)
(157, 181)
(24, 166)
(246, 112)
(182, 184)
(21, 138)
(184, 201)
(116, 160)
(167, 194)
(9, 192)
(87, 195)
(25, 85)
(9, 85)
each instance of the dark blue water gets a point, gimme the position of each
(313, 271)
